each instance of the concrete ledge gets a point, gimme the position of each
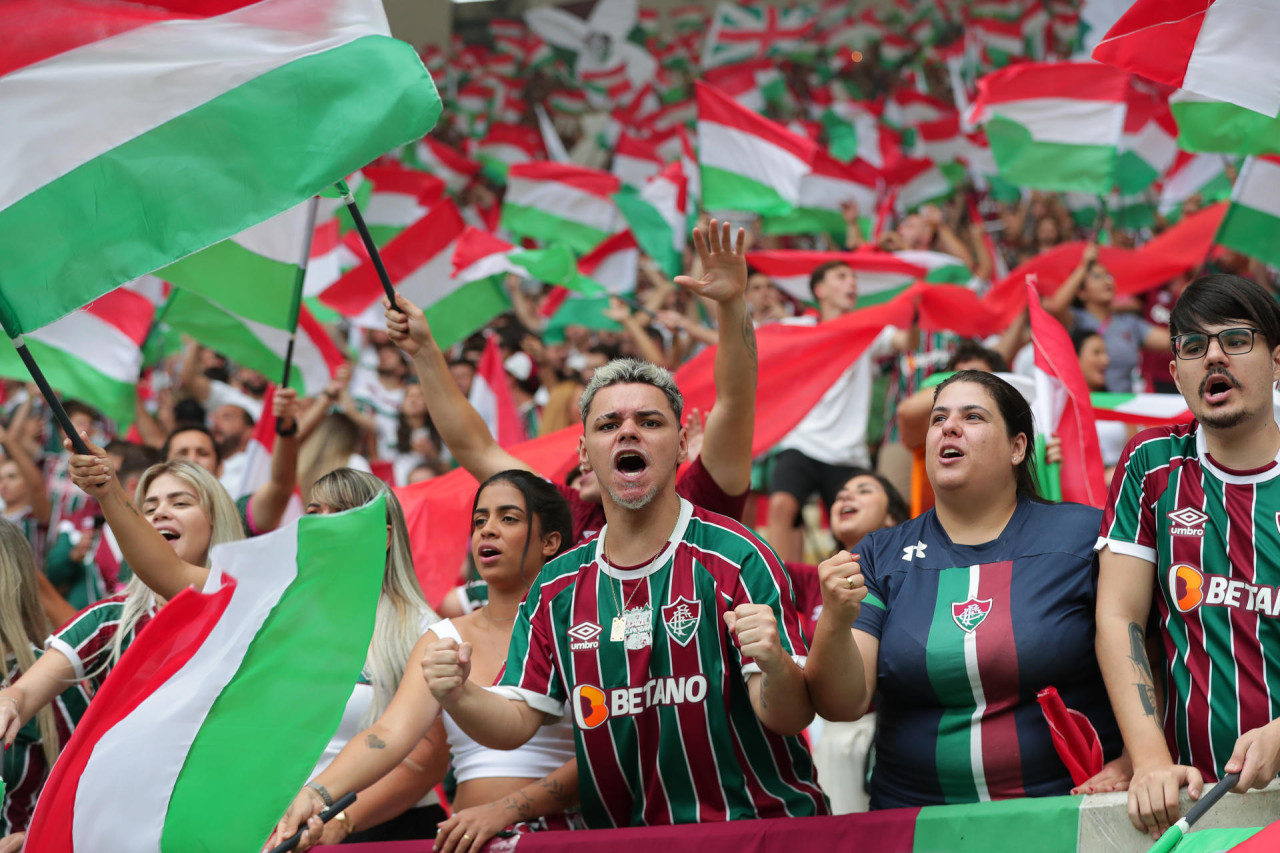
(1105, 827)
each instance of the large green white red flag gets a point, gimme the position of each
(269, 654)
(1221, 49)
(400, 198)
(1054, 126)
(1148, 147)
(93, 354)
(658, 216)
(881, 275)
(1201, 175)
(748, 162)
(418, 263)
(447, 163)
(1208, 125)
(823, 194)
(113, 167)
(561, 203)
(1252, 223)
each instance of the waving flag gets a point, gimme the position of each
(400, 197)
(748, 162)
(635, 160)
(93, 354)
(1252, 224)
(1205, 124)
(561, 203)
(1221, 49)
(659, 216)
(188, 145)
(505, 145)
(823, 193)
(1054, 126)
(740, 33)
(1202, 175)
(209, 668)
(881, 275)
(1147, 148)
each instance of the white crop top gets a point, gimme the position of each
(545, 752)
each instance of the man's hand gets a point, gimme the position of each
(406, 325)
(694, 431)
(849, 210)
(724, 265)
(843, 587)
(756, 629)
(1153, 795)
(1256, 757)
(285, 408)
(446, 667)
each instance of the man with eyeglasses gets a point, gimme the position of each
(1193, 517)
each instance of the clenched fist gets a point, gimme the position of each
(756, 628)
(446, 667)
(843, 587)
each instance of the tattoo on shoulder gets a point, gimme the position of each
(374, 742)
(1145, 683)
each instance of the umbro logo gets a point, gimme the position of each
(1187, 522)
(585, 635)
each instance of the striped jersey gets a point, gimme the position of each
(23, 764)
(1213, 535)
(87, 639)
(969, 634)
(663, 725)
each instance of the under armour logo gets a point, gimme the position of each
(912, 551)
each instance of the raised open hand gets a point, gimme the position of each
(724, 263)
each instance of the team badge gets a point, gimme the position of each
(970, 614)
(681, 618)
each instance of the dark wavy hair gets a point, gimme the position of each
(1016, 413)
(541, 499)
(1222, 298)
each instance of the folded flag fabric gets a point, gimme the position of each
(823, 194)
(561, 203)
(172, 718)
(635, 160)
(881, 275)
(254, 344)
(1148, 146)
(196, 150)
(1222, 49)
(1203, 175)
(917, 182)
(1054, 126)
(748, 162)
(418, 262)
(491, 396)
(1208, 125)
(1252, 224)
(93, 354)
(1142, 409)
(505, 145)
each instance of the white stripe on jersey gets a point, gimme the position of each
(979, 697)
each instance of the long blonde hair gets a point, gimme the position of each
(224, 524)
(23, 623)
(327, 449)
(401, 608)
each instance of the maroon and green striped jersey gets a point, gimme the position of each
(1213, 534)
(87, 639)
(641, 659)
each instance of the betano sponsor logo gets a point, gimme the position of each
(1190, 588)
(593, 706)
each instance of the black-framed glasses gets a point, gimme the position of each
(1194, 345)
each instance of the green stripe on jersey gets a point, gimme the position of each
(949, 677)
(1223, 730)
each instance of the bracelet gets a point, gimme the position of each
(322, 792)
(347, 823)
(16, 706)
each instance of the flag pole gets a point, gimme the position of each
(50, 397)
(350, 201)
(296, 307)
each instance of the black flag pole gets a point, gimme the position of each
(50, 397)
(298, 280)
(350, 201)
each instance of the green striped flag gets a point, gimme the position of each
(1252, 223)
(227, 696)
(1215, 126)
(233, 117)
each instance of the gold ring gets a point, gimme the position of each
(466, 837)
(849, 581)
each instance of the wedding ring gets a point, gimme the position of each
(849, 581)
(466, 837)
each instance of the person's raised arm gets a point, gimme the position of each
(148, 554)
(490, 719)
(51, 674)
(1125, 587)
(550, 795)
(460, 426)
(374, 752)
(620, 313)
(37, 494)
(913, 418)
(984, 264)
(268, 503)
(841, 669)
(1059, 304)
(777, 692)
(523, 307)
(1157, 340)
(853, 236)
(730, 427)
(192, 379)
(148, 425)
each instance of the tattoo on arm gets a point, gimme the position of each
(374, 742)
(521, 804)
(555, 789)
(749, 336)
(1142, 670)
(764, 692)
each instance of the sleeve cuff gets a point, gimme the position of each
(57, 644)
(753, 668)
(1128, 549)
(538, 701)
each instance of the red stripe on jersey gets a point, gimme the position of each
(597, 744)
(648, 725)
(695, 731)
(536, 674)
(760, 798)
(1187, 549)
(1251, 688)
(998, 674)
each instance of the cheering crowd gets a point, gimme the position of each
(651, 639)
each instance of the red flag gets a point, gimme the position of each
(1063, 406)
(1074, 737)
(493, 374)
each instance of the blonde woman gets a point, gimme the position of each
(335, 444)
(30, 749)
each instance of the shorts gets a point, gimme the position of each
(801, 477)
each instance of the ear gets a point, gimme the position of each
(1019, 448)
(550, 544)
(1275, 365)
(583, 461)
(1173, 372)
(682, 454)
(388, 537)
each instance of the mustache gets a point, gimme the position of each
(1216, 372)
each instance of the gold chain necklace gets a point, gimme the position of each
(618, 628)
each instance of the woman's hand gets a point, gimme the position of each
(470, 829)
(13, 843)
(10, 718)
(406, 325)
(1114, 776)
(92, 472)
(305, 809)
(843, 587)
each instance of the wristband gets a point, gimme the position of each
(287, 433)
(322, 792)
